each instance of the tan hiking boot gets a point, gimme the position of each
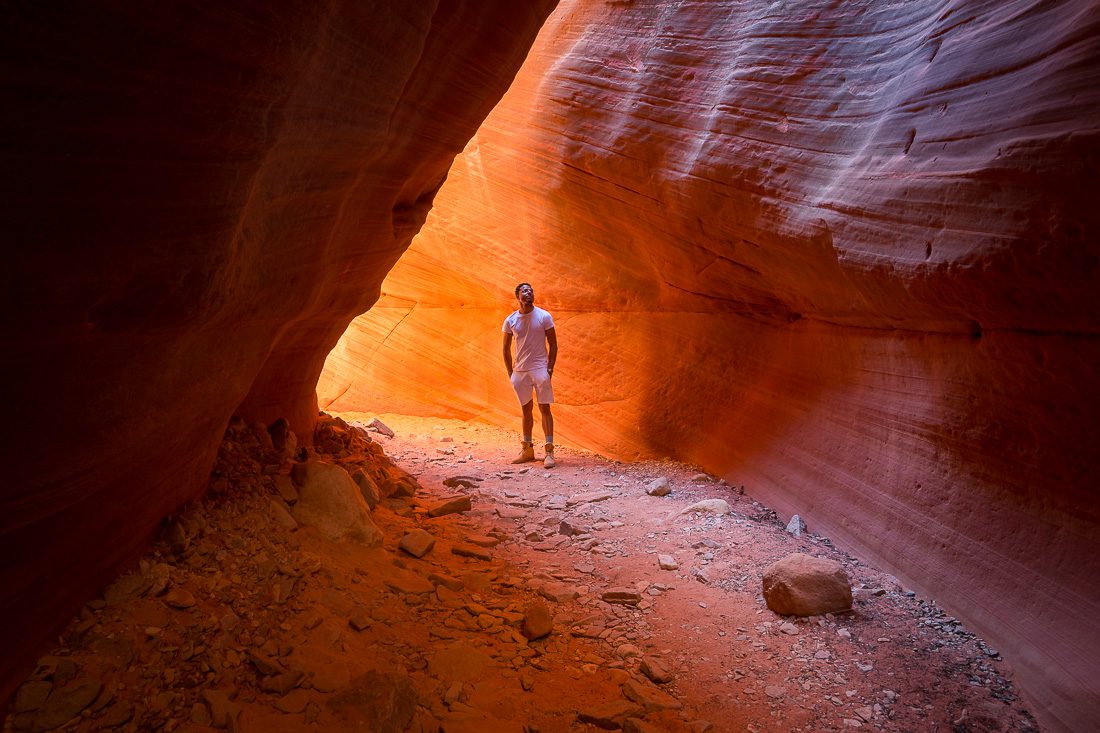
(526, 454)
(549, 461)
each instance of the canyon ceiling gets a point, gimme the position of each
(845, 254)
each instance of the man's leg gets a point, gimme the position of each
(548, 431)
(527, 451)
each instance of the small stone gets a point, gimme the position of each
(179, 598)
(221, 710)
(31, 696)
(264, 664)
(610, 715)
(655, 670)
(482, 540)
(464, 482)
(408, 584)
(379, 427)
(453, 505)
(822, 654)
(796, 526)
(621, 596)
(659, 487)
(667, 562)
(775, 692)
(281, 684)
(417, 543)
(788, 628)
(648, 697)
(360, 619)
(844, 633)
(67, 702)
(700, 478)
(279, 513)
(471, 551)
(285, 486)
(569, 529)
(537, 620)
(638, 725)
(709, 506)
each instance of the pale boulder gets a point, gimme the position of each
(802, 585)
(330, 501)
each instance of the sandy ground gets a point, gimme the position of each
(240, 619)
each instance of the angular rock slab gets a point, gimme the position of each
(802, 585)
(329, 500)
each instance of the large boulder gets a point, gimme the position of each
(330, 501)
(802, 585)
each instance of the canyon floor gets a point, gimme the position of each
(241, 619)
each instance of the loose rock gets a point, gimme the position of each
(801, 585)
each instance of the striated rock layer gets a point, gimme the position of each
(197, 202)
(843, 253)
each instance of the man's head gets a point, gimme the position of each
(525, 294)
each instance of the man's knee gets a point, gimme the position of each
(544, 408)
(529, 406)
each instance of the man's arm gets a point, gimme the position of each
(552, 340)
(508, 353)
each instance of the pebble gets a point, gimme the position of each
(417, 543)
(659, 487)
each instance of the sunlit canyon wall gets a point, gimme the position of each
(845, 254)
(198, 198)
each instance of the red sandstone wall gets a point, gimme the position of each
(844, 253)
(197, 200)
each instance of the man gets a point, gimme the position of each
(532, 329)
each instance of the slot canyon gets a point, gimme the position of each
(829, 259)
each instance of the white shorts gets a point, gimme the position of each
(536, 379)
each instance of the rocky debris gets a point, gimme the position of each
(610, 715)
(700, 478)
(796, 526)
(802, 585)
(417, 543)
(708, 506)
(537, 620)
(667, 562)
(329, 501)
(451, 505)
(379, 427)
(659, 487)
(281, 623)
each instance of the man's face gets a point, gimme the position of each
(526, 295)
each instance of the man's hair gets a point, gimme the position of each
(521, 285)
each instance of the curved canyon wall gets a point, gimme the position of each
(843, 253)
(198, 199)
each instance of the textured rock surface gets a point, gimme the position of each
(845, 254)
(197, 201)
(802, 585)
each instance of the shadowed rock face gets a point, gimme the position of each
(843, 253)
(197, 202)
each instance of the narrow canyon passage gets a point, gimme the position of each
(243, 618)
(844, 254)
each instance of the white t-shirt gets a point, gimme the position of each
(529, 331)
